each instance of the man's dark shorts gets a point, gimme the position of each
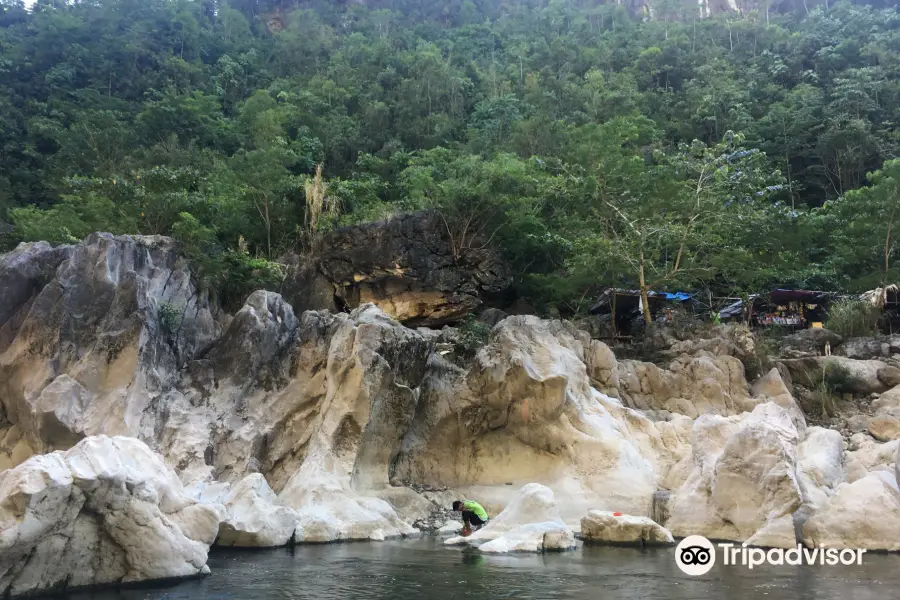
(472, 519)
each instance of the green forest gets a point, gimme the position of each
(591, 144)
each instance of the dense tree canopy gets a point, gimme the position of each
(594, 146)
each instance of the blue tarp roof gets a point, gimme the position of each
(680, 296)
(602, 303)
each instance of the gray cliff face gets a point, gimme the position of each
(23, 273)
(116, 321)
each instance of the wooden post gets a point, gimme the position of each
(615, 331)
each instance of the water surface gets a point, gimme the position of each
(425, 569)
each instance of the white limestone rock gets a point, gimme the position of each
(450, 528)
(897, 465)
(106, 511)
(606, 527)
(863, 514)
(871, 454)
(771, 388)
(747, 487)
(526, 412)
(820, 466)
(328, 509)
(530, 523)
(254, 518)
(100, 343)
(550, 536)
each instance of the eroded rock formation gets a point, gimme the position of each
(321, 426)
(526, 412)
(411, 267)
(106, 511)
(99, 344)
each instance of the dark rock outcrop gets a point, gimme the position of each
(865, 348)
(809, 342)
(23, 273)
(406, 266)
(843, 375)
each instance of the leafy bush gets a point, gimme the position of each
(233, 273)
(829, 383)
(765, 348)
(169, 317)
(825, 398)
(853, 318)
(243, 274)
(473, 335)
(839, 379)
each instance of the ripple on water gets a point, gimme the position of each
(424, 568)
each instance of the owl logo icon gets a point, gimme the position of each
(695, 555)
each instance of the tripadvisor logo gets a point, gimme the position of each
(695, 555)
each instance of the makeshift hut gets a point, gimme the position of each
(887, 300)
(793, 309)
(624, 308)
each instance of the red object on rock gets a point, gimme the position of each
(617, 514)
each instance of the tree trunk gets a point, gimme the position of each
(787, 162)
(644, 297)
(887, 247)
(268, 232)
(615, 332)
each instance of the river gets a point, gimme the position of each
(423, 568)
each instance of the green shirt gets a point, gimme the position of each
(475, 508)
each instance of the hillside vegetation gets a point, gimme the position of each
(591, 145)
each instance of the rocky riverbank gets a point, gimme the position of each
(129, 399)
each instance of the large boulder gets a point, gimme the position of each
(888, 403)
(870, 454)
(722, 340)
(772, 388)
(530, 523)
(897, 465)
(865, 348)
(410, 266)
(820, 470)
(102, 341)
(809, 342)
(705, 375)
(603, 369)
(692, 385)
(844, 375)
(744, 485)
(254, 517)
(328, 509)
(885, 428)
(106, 511)
(864, 514)
(616, 528)
(820, 466)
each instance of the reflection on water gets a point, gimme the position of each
(417, 569)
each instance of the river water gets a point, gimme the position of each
(425, 569)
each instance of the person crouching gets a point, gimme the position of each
(473, 514)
